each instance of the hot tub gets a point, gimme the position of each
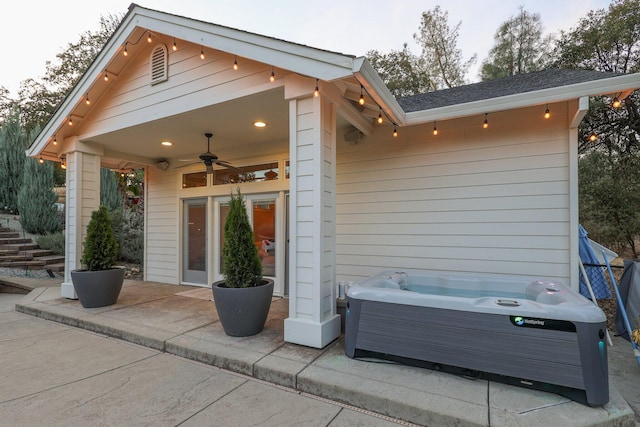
(527, 332)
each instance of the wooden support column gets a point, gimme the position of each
(312, 317)
(82, 198)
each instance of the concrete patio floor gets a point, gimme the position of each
(182, 320)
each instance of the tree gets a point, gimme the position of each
(442, 58)
(38, 99)
(519, 47)
(402, 71)
(36, 199)
(608, 41)
(110, 195)
(13, 143)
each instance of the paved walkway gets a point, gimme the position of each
(182, 321)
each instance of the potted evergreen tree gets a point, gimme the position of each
(100, 283)
(243, 298)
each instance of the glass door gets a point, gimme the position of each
(194, 249)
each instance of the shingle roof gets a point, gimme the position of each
(520, 83)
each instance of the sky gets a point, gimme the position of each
(34, 31)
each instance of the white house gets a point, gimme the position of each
(336, 196)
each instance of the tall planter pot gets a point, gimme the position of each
(97, 288)
(242, 311)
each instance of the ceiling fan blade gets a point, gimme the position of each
(228, 165)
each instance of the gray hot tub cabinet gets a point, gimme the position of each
(564, 357)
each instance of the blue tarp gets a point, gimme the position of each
(593, 265)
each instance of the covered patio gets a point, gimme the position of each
(183, 321)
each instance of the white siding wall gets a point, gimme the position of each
(162, 222)
(469, 199)
(193, 83)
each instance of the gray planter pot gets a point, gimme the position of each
(242, 311)
(97, 288)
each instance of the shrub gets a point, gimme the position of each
(241, 267)
(100, 246)
(52, 241)
(36, 199)
(132, 235)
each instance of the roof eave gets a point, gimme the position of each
(557, 94)
(375, 87)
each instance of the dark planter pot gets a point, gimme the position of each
(97, 288)
(242, 311)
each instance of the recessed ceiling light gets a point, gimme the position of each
(259, 124)
(167, 143)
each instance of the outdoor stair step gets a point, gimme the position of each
(20, 246)
(37, 252)
(50, 259)
(9, 234)
(35, 264)
(9, 252)
(15, 257)
(56, 268)
(5, 230)
(12, 240)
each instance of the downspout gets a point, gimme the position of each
(574, 219)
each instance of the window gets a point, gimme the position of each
(195, 179)
(251, 173)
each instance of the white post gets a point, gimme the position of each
(82, 198)
(312, 317)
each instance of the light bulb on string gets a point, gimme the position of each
(361, 100)
(86, 100)
(395, 131)
(63, 164)
(70, 121)
(593, 137)
(316, 92)
(272, 78)
(106, 76)
(55, 140)
(486, 121)
(380, 119)
(235, 63)
(616, 102)
(149, 36)
(41, 160)
(175, 46)
(435, 129)
(201, 52)
(125, 53)
(547, 113)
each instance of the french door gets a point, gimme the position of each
(194, 250)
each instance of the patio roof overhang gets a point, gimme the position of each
(340, 75)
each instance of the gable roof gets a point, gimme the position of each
(517, 84)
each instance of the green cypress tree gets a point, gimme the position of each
(242, 267)
(36, 198)
(13, 142)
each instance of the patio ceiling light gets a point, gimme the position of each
(167, 143)
(259, 124)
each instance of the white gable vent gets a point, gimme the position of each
(159, 64)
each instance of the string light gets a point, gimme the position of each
(235, 63)
(273, 75)
(106, 76)
(63, 164)
(55, 141)
(316, 92)
(86, 100)
(593, 137)
(125, 53)
(361, 100)
(486, 121)
(616, 102)
(41, 160)
(380, 119)
(547, 113)
(435, 129)
(149, 36)
(201, 52)
(70, 121)
(395, 130)
(175, 46)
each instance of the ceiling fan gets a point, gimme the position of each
(209, 159)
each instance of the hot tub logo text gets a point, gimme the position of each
(520, 321)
